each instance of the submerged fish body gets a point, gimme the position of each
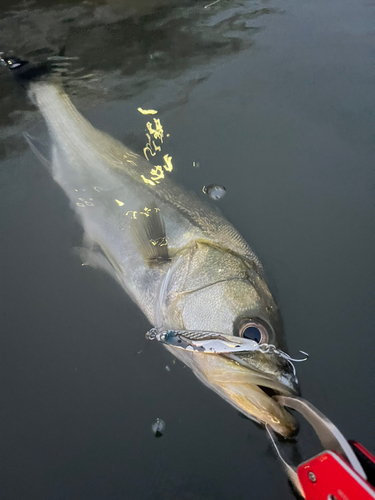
(179, 259)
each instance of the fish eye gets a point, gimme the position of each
(252, 333)
(253, 330)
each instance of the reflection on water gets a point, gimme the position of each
(123, 47)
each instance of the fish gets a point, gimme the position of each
(177, 257)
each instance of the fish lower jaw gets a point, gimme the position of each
(246, 390)
(256, 404)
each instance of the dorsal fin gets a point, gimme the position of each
(148, 231)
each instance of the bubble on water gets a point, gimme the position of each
(158, 427)
(214, 191)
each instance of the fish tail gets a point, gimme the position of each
(60, 114)
(25, 72)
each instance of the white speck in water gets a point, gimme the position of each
(158, 427)
(214, 191)
(167, 368)
(196, 164)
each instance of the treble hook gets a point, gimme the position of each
(266, 348)
(289, 358)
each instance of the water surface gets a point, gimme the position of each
(274, 99)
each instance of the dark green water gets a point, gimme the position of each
(275, 100)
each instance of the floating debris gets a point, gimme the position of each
(167, 368)
(214, 191)
(196, 164)
(158, 427)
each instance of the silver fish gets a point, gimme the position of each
(177, 257)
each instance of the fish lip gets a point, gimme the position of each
(242, 385)
(287, 386)
(272, 386)
(289, 427)
(268, 410)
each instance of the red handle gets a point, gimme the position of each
(330, 477)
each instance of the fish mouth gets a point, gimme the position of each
(253, 394)
(249, 388)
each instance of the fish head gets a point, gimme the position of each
(215, 291)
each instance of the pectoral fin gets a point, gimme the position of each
(148, 231)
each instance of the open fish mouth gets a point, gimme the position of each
(242, 372)
(249, 391)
